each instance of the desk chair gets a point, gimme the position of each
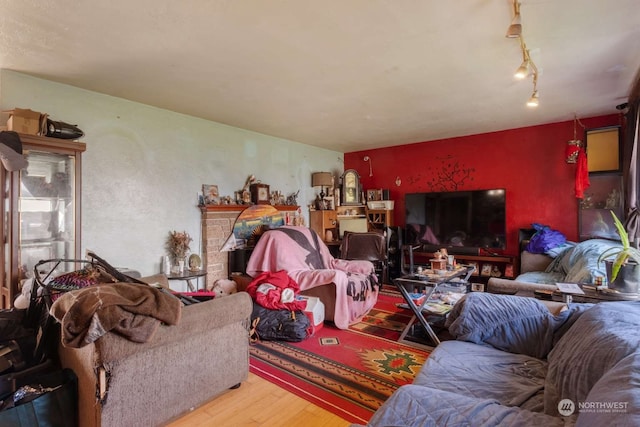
(369, 246)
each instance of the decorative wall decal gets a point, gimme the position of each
(451, 177)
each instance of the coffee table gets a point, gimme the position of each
(426, 284)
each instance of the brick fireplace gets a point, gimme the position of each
(217, 223)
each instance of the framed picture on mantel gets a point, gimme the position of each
(260, 194)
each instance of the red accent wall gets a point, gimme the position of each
(528, 162)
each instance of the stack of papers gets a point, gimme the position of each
(570, 288)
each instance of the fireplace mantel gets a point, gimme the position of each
(240, 208)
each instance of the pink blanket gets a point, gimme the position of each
(307, 260)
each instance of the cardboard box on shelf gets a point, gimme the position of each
(27, 121)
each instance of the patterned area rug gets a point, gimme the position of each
(348, 372)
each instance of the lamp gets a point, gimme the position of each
(523, 70)
(368, 159)
(527, 67)
(534, 101)
(515, 29)
(321, 179)
(575, 145)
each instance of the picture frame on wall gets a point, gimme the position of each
(603, 149)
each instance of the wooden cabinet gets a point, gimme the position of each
(380, 218)
(603, 195)
(323, 221)
(353, 218)
(41, 209)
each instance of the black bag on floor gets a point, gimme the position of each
(49, 400)
(283, 325)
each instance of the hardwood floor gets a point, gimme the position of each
(258, 402)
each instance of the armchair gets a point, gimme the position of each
(369, 246)
(347, 288)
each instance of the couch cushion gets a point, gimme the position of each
(485, 373)
(507, 322)
(416, 406)
(615, 399)
(600, 338)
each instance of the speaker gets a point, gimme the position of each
(385, 194)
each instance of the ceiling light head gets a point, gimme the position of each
(515, 29)
(534, 101)
(523, 70)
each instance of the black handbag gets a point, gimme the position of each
(284, 325)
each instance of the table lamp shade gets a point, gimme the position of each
(321, 179)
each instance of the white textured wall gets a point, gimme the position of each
(145, 166)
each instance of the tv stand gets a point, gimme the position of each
(487, 266)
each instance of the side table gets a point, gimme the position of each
(188, 276)
(426, 284)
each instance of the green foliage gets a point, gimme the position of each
(623, 254)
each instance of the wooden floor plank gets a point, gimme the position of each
(259, 403)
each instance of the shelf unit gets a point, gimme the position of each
(41, 209)
(502, 266)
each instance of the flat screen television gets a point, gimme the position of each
(456, 220)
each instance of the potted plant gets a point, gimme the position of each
(178, 246)
(623, 271)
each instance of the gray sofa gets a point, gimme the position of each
(123, 383)
(520, 362)
(570, 263)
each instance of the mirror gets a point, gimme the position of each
(351, 187)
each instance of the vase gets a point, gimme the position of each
(628, 280)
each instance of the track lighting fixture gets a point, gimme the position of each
(515, 29)
(523, 70)
(527, 67)
(534, 100)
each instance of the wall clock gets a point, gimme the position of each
(260, 194)
(351, 187)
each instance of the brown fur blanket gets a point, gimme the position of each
(131, 310)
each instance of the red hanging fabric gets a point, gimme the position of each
(582, 174)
